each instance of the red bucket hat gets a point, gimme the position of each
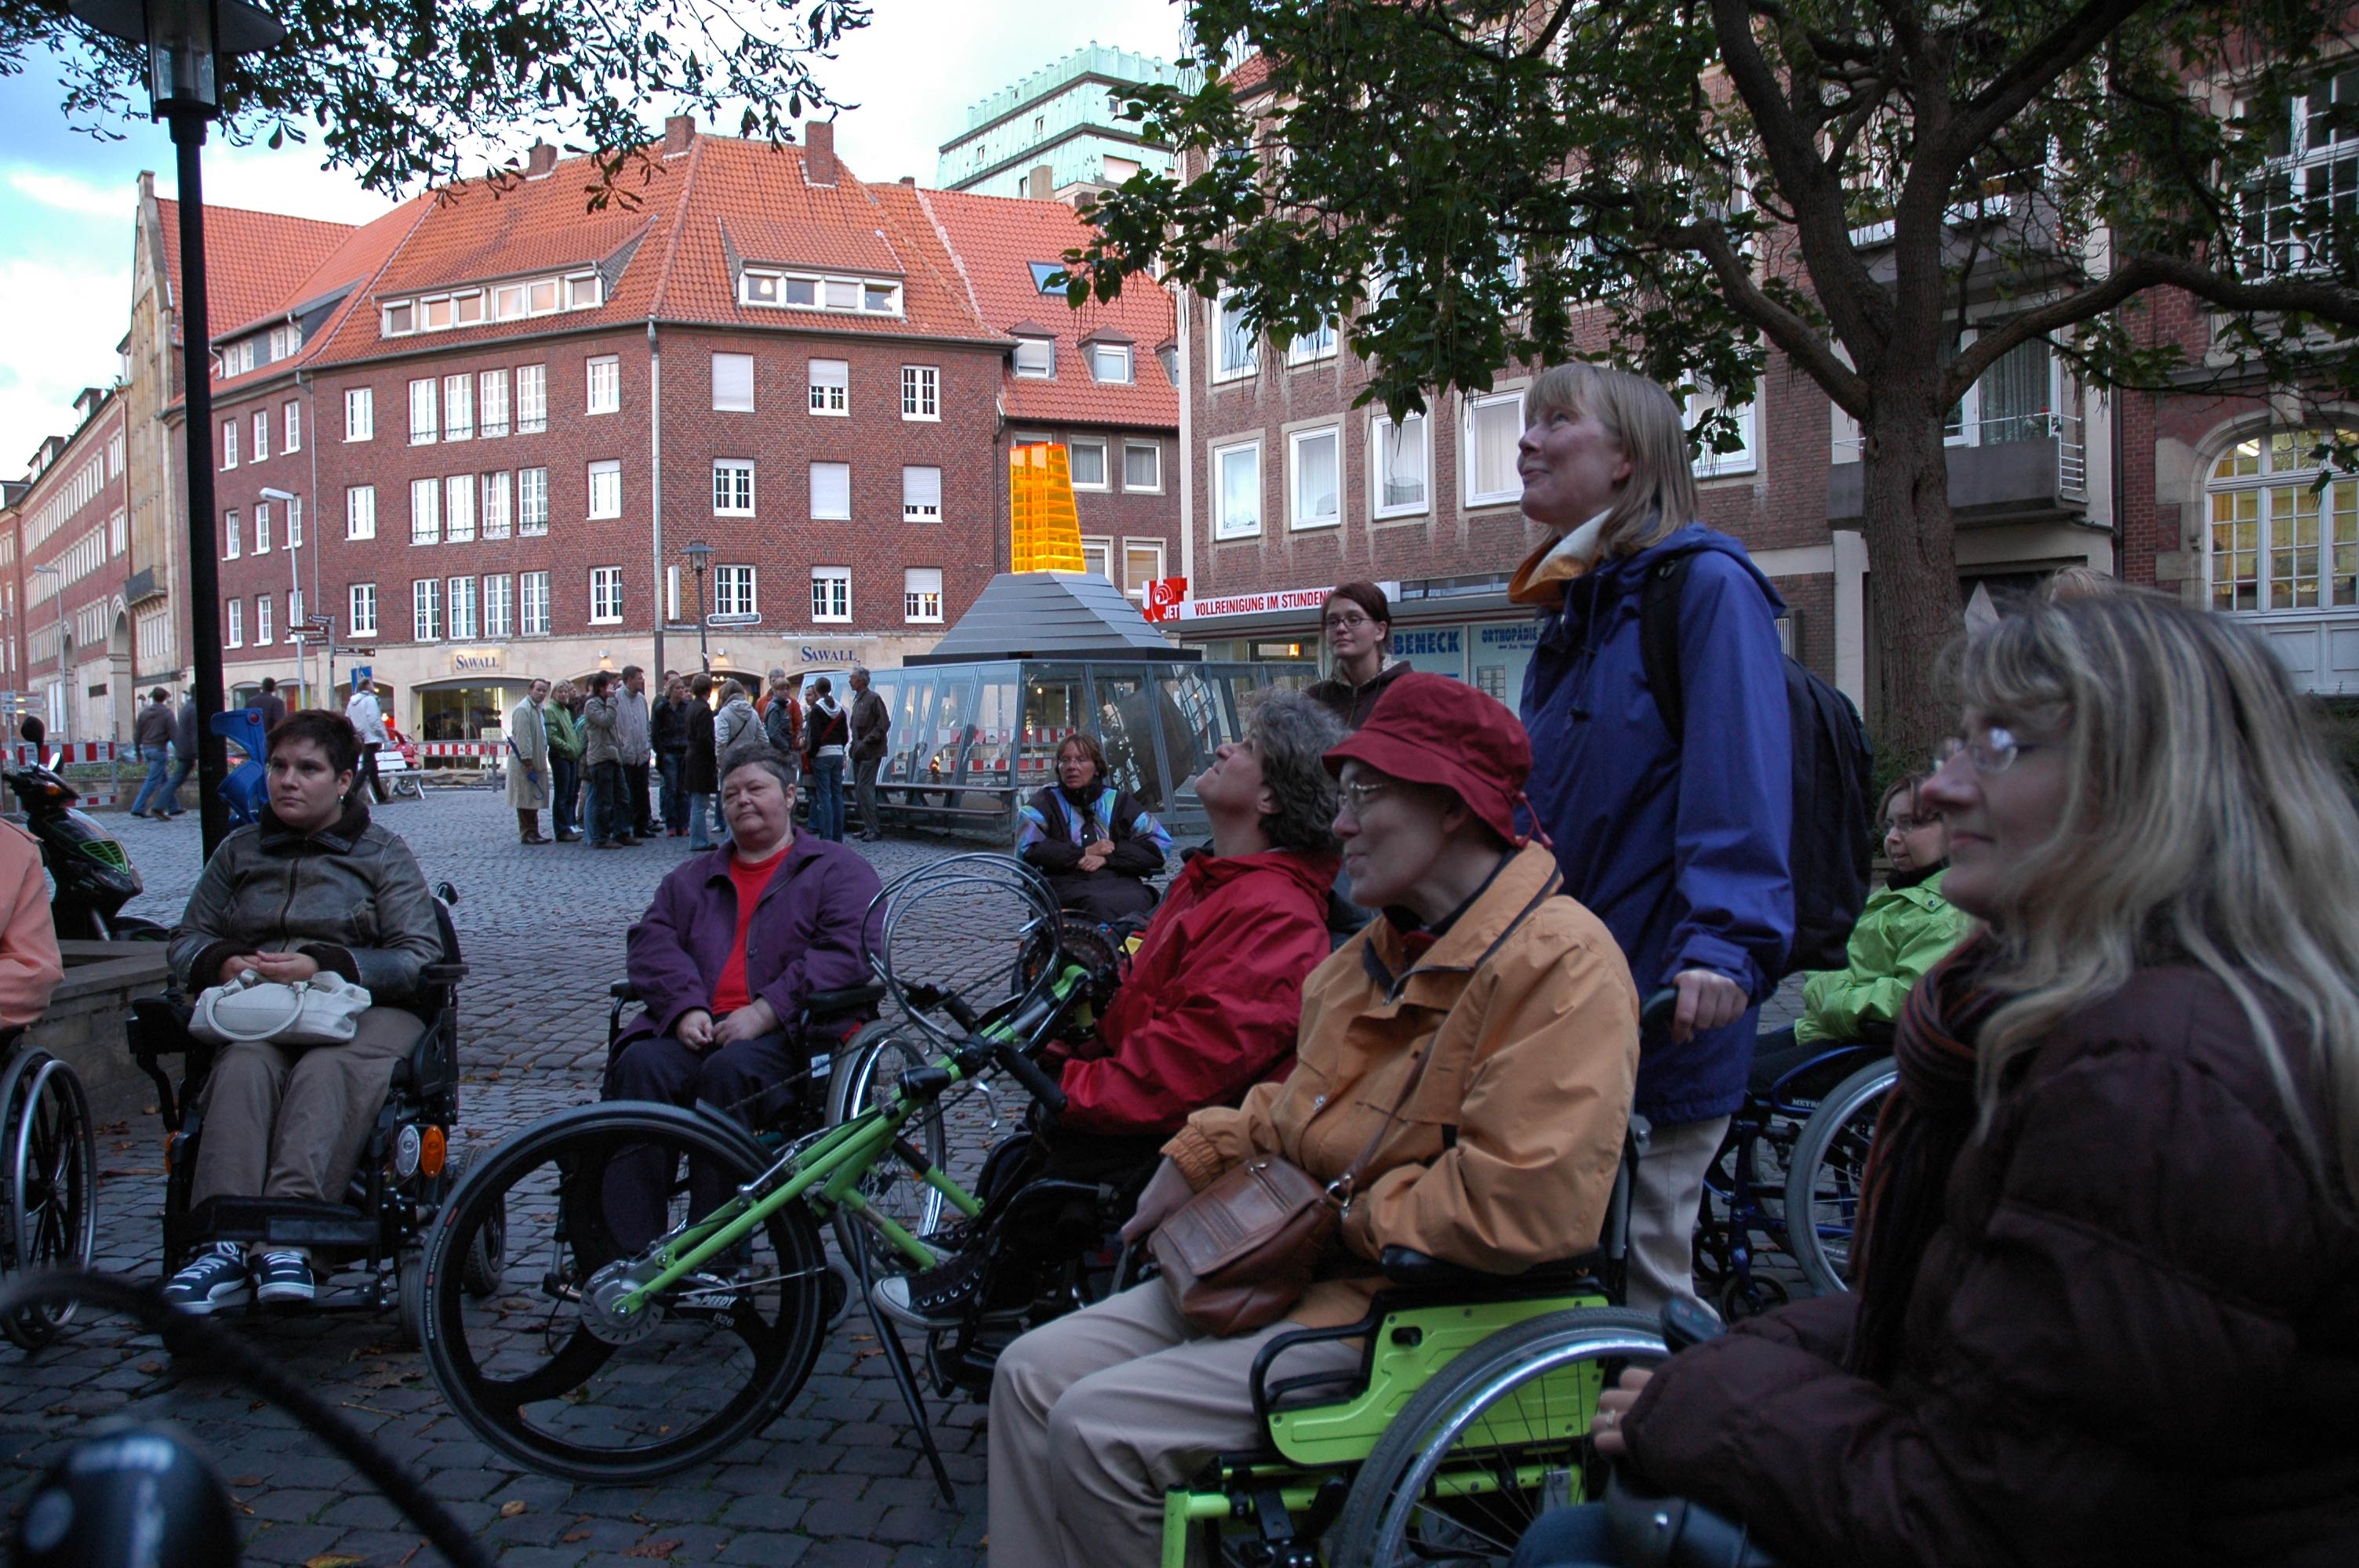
(1431, 730)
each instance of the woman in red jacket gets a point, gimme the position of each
(1210, 1003)
(2109, 1306)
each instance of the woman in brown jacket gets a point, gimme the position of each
(1503, 1156)
(2110, 1302)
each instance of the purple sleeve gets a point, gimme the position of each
(842, 927)
(661, 964)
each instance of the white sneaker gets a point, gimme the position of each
(211, 1278)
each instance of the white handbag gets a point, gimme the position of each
(322, 1010)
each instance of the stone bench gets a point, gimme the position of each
(83, 1026)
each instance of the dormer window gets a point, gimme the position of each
(498, 302)
(1050, 277)
(810, 291)
(1036, 357)
(1111, 362)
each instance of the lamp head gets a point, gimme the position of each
(699, 554)
(183, 39)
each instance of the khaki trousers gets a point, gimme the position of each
(1663, 1203)
(288, 1121)
(1094, 1416)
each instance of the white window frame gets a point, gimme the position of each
(602, 384)
(359, 512)
(1470, 410)
(1223, 307)
(532, 485)
(1309, 348)
(2281, 486)
(1295, 521)
(425, 610)
(605, 596)
(732, 496)
(1043, 352)
(1379, 509)
(611, 471)
(499, 505)
(233, 623)
(263, 634)
(837, 610)
(2301, 177)
(294, 615)
(916, 509)
(229, 445)
(1745, 459)
(291, 417)
(532, 412)
(261, 434)
(1122, 354)
(459, 406)
(1222, 528)
(532, 604)
(295, 523)
(458, 509)
(921, 392)
(1102, 546)
(360, 414)
(261, 527)
(829, 399)
(425, 511)
(1106, 473)
(458, 594)
(736, 591)
(731, 400)
(1153, 449)
(492, 405)
(424, 415)
(232, 535)
(1135, 586)
(499, 607)
(818, 516)
(922, 601)
(773, 288)
(360, 606)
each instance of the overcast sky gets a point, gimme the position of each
(67, 199)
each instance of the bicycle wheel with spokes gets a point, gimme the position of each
(1822, 1184)
(867, 1073)
(1500, 1436)
(49, 1167)
(548, 1370)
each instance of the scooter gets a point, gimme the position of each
(93, 877)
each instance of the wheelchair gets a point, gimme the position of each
(48, 1180)
(1766, 1171)
(407, 1167)
(1466, 1419)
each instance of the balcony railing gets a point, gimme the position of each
(2068, 431)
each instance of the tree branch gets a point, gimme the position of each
(1801, 344)
(2013, 89)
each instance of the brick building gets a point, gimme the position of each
(482, 433)
(67, 645)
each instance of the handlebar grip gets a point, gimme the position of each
(957, 1008)
(1657, 1013)
(1026, 1072)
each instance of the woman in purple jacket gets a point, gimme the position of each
(734, 944)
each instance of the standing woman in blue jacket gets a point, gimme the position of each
(1677, 841)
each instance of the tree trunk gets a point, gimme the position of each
(1912, 571)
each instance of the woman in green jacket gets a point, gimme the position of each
(1906, 929)
(564, 761)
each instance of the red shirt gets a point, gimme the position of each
(729, 993)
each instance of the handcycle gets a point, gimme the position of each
(49, 1181)
(629, 1356)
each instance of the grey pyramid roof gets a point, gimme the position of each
(1046, 615)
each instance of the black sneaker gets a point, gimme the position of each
(211, 1278)
(942, 1297)
(282, 1277)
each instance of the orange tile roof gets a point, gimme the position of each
(252, 259)
(350, 265)
(995, 239)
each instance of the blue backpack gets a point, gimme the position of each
(1835, 774)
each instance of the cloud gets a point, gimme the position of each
(65, 344)
(67, 193)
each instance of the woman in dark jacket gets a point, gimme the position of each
(1678, 842)
(702, 776)
(2109, 1303)
(1096, 844)
(1357, 622)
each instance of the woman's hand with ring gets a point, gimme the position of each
(1606, 1429)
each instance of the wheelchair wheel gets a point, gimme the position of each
(1499, 1436)
(1823, 1184)
(49, 1174)
(866, 1075)
(546, 1371)
(480, 1269)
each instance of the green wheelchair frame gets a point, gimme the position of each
(1532, 1352)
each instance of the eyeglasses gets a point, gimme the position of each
(1993, 753)
(1346, 623)
(1357, 795)
(1913, 823)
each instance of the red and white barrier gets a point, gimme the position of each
(458, 749)
(63, 751)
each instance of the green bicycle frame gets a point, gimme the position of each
(835, 1165)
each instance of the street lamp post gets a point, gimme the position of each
(184, 40)
(65, 666)
(294, 580)
(700, 556)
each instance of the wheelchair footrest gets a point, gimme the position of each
(283, 1222)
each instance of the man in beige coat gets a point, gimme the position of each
(1501, 1157)
(528, 770)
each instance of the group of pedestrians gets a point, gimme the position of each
(594, 756)
(165, 737)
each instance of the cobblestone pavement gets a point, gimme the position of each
(837, 1479)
